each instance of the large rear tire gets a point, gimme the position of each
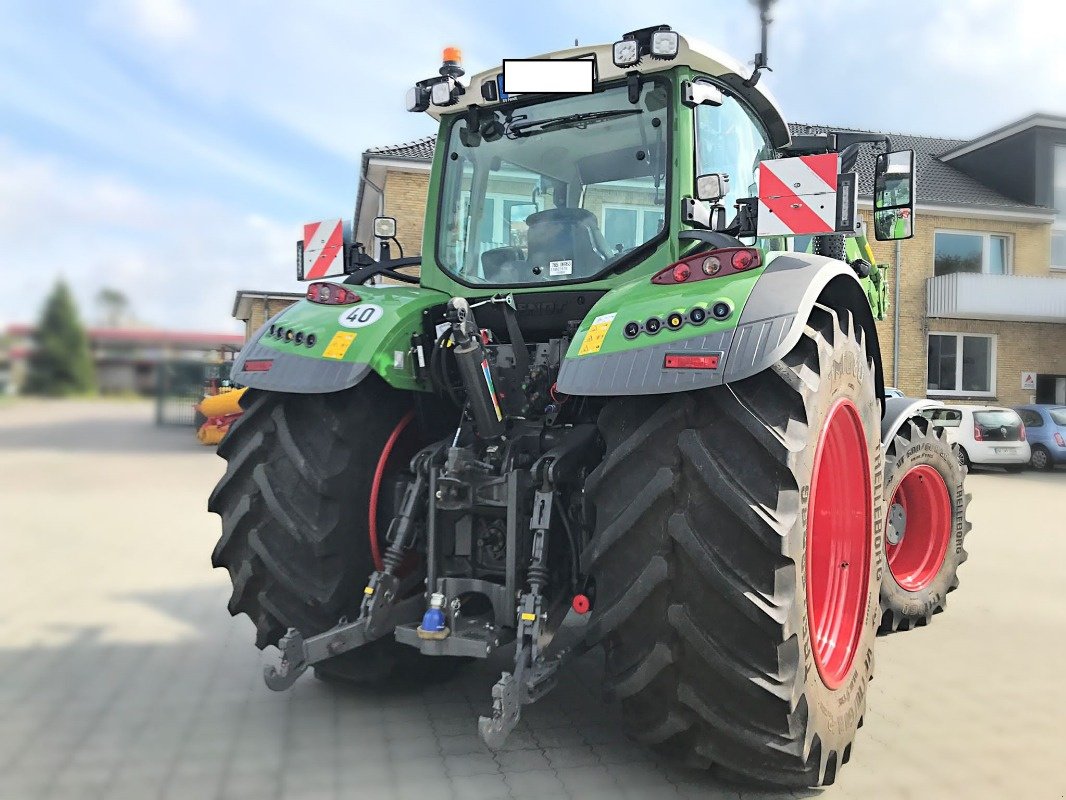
(295, 531)
(736, 562)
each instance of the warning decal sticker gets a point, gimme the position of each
(596, 334)
(339, 345)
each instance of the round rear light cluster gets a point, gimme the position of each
(682, 272)
(742, 259)
(711, 265)
(675, 320)
(283, 334)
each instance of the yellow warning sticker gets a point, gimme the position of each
(338, 345)
(596, 334)
(527, 617)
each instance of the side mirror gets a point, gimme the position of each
(712, 187)
(894, 196)
(385, 227)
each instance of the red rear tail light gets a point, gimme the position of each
(712, 264)
(682, 361)
(330, 294)
(1059, 440)
(977, 435)
(261, 365)
(1021, 433)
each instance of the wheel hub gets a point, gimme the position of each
(897, 524)
(839, 528)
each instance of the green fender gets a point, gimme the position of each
(347, 343)
(770, 306)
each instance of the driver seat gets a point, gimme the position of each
(566, 234)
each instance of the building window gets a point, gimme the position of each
(955, 251)
(961, 364)
(1058, 229)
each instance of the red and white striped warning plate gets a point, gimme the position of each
(323, 249)
(798, 196)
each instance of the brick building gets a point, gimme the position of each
(254, 308)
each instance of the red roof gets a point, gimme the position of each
(147, 336)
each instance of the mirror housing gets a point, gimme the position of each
(894, 196)
(385, 227)
(712, 187)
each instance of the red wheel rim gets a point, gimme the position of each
(839, 527)
(916, 559)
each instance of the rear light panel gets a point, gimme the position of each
(331, 294)
(711, 264)
(978, 436)
(1059, 440)
(258, 365)
(1021, 433)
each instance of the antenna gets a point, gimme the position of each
(760, 57)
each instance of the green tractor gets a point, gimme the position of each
(618, 407)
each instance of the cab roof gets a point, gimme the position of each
(692, 53)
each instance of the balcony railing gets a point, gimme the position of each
(1000, 297)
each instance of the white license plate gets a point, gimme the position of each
(1004, 450)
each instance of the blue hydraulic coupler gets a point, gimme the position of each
(433, 621)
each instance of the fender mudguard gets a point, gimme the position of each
(349, 342)
(774, 308)
(897, 411)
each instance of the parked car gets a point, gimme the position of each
(892, 391)
(984, 435)
(1045, 428)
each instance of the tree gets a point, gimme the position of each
(60, 363)
(113, 306)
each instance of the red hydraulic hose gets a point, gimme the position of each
(375, 486)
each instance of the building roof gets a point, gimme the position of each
(1038, 120)
(939, 183)
(242, 301)
(418, 150)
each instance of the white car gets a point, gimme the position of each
(984, 435)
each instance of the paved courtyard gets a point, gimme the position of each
(123, 676)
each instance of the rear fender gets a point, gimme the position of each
(350, 342)
(897, 411)
(773, 305)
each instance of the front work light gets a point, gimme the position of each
(443, 92)
(665, 44)
(626, 53)
(417, 98)
(385, 227)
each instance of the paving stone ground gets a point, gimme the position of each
(123, 676)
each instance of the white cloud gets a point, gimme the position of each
(178, 260)
(156, 21)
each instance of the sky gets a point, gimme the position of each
(172, 149)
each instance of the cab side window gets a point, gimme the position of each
(730, 139)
